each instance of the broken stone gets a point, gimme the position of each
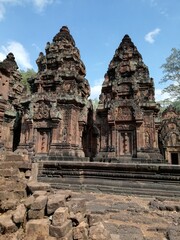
(77, 205)
(60, 216)
(99, 232)
(38, 226)
(60, 231)
(29, 201)
(7, 225)
(39, 203)
(36, 214)
(54, 202)
(19, 214)
(81, 232)
(38, 186)
(39, 193)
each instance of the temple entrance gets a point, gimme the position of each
(43, 140)
(174, 158)
(16, 132)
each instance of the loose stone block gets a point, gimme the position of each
(19, 214)
(38, 226)
(54, 202)
(81, 232)
(77, 205)
(60, 216)
(60, 231)
(36, 214)
(29, 201)
(7, 225)
(39, 203)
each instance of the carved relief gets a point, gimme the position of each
(41, 110)
(123, 113)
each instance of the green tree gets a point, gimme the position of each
(25, 76)
(171, 71)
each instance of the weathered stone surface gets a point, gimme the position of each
(76, 218)
(173, 233)
(81, 232)
(77, 205)
(36, 214)
(29, 201)
(60, 216)
(60, 231)
(38, 186)
(39, 193)
(54, 202)
(39, 203)
(93, 219)
(7, 225)
(99, 232)
(127, 108)
(169, 133)
(9, 204)
(134, 232)
(38, 226)
(20, 214)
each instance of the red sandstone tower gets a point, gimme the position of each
(127, 111)
(54, 120)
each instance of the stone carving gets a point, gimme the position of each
(58, 119)
(169, 133)
(127, 99)
(41, 110)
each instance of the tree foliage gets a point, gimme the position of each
(25, 76)
(171, 71)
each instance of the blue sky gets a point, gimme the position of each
(97, 27)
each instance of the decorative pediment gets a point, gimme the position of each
(41, 110)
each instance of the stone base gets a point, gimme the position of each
(66, 150)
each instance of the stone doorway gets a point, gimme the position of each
(174, 158)
(16, 132)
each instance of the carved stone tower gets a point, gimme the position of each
(127, 111)
(54, 119)
(169, 134)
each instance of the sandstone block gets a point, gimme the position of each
(60, 216)
(39, 203)
(93, 219)
(99, 232)
(7, 225)
(76, 218)
(77, 205)
(54, 202)
(81, 232)
(38, 226)
(60, 231)
(29, 201)
(36, 214)
(19, 214)
(39, 193)
(38, 186)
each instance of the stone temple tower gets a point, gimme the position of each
(126, 116)
(56, 113)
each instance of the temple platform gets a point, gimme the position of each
(120, 178)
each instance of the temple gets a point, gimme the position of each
(127, 114)
(56, 120)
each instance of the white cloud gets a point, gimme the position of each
(96, 89)
(21, 55)
(149, 37)
(39, 5)
(159, 96)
